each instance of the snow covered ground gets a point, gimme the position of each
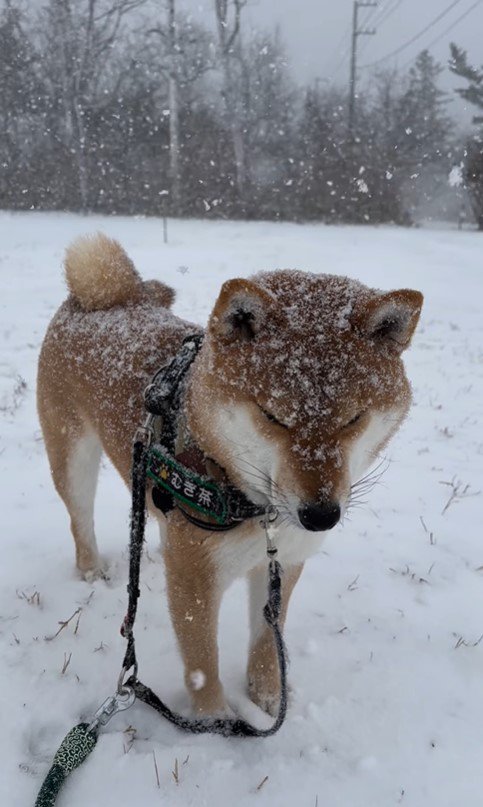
(385, 626)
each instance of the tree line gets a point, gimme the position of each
(132, 106)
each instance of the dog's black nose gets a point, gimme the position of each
(318, 517)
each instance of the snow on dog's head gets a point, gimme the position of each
(300, 385)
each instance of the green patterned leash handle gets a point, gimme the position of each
(74, 749)
(78, 744)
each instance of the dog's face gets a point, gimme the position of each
(300, 385)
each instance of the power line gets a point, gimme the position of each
(356, 33)
(455, 23)
(387, 12)
(413, 38)
(446, 31)
(369, 19)
(345, 38)
(342, 59)
(372, 10)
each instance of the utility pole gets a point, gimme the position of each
(353, 70)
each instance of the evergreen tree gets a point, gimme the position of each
(473, 176)
(424, 126)
(473, 93)
(404, 136)
(322, 166)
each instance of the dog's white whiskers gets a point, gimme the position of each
(371, 479)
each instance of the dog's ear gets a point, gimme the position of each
(390, 319)
(241, 311)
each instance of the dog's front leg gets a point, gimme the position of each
(194, 600)
(263, 673)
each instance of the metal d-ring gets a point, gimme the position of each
(144, 433)
(121, 685)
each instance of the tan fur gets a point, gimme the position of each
(101, 350)
(99, 274)
(159, 293)
(262, 670)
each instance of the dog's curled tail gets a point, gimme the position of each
(101, 275)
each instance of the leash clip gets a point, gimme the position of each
(119, 702)
(268, 524)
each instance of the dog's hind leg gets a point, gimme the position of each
(82, 473)
(262, 671)
(74, 452)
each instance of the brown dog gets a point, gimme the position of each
(297, 387)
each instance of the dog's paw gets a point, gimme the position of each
(208, 701)
(97, 572)
(267, 701)
(224, 712)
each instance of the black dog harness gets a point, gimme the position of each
(221, 505)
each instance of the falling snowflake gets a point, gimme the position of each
(455, 176)
(362, 186)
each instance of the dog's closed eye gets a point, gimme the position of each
(272, 418)
(353, 421)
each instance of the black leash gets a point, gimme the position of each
(163, 398)
(228, 727)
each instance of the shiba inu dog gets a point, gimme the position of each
(298, 385)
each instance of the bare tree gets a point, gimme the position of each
(228, 18)
(183, 60)
(173, 84)
(81, 40)
(473, 93)
(19, 88)
(170, 68)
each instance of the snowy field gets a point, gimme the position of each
(385, 625)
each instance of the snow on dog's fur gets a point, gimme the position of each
(298, 386)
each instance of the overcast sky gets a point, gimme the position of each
(317, 33)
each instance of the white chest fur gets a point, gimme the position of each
(243, 550)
